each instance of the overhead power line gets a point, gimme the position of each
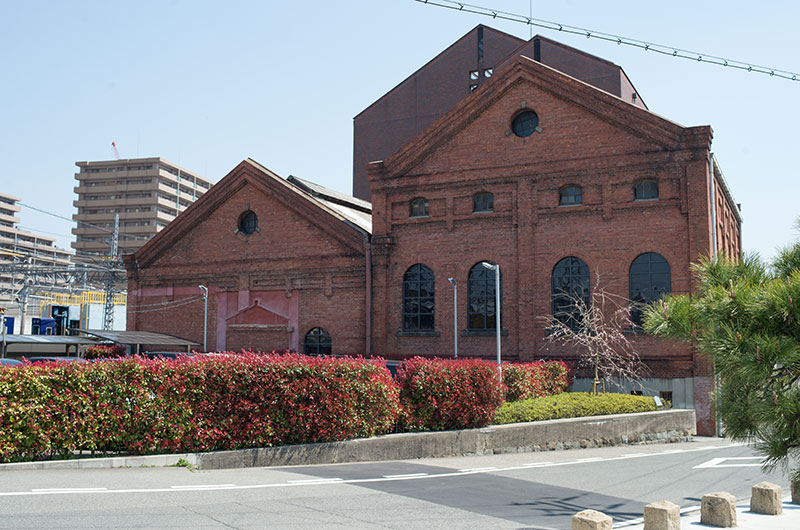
(166, 306)
(672, 51)
(90, 225)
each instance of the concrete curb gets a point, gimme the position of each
(570, 433)
(105, 462)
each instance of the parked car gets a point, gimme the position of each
(166, 355)
(9, 362)
(53, 359)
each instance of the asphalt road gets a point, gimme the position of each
(526, 490)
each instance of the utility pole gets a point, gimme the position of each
(111, 278)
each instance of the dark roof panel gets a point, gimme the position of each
(139, 337)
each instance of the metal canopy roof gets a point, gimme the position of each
(48, 339)
(139, 337)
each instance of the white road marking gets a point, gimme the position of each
(203, 486)
(718, 462)
(310, 482)
(68, 490)
(594, 459)
(315, 481)
(477, 469)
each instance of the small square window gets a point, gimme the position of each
(645, 190)
(474, 75)
(419, 207)
(488, 72)
(570, 196)
(483, 202)
(472, 88)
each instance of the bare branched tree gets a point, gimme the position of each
(595, 323)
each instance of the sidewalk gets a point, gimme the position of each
(747, 520)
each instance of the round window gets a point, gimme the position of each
(525, 123)
(248, 222)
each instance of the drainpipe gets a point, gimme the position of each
(714, 253)
(368, 311)
(713, 205)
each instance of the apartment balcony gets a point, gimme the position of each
(112, 203)
(116, 188)
(8, 218)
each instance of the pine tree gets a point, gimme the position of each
(746, 316)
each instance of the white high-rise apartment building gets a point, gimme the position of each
(147, 193)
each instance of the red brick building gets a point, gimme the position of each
(396, 117)
(279, 258)
(560, 183)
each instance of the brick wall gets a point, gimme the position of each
(267, 289)
(596, 144)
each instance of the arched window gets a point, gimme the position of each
(419, 207)
(645, 190)
(570, 196)
(482, 202)
(481, 296)
(418, 298)
(248, 222)
(649, 278)
(570, 290)
(317, 342)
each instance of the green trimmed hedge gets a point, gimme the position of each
(572, 405)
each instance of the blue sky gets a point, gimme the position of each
(207, 84)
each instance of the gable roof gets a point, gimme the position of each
(355, 210)
(638, 121)
(317, 212)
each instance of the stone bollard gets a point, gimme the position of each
(796, 491)
(662, 515)
(591, 520)
(718, 509)
(766, 498)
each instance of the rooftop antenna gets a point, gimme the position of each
(530, 11)
(116, 153)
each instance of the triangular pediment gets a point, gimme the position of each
(207, 230)
(577, 121)
(256, 315)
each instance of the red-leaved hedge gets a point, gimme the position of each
(104, 351)
(230, 401)
(439, 394)
(536, 379)
(204, 403)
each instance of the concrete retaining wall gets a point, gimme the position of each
(572, 433)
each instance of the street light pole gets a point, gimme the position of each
(3, 323)
(205, 316)
(496, 269)
(455, 317)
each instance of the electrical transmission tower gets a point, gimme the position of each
(111, 277)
